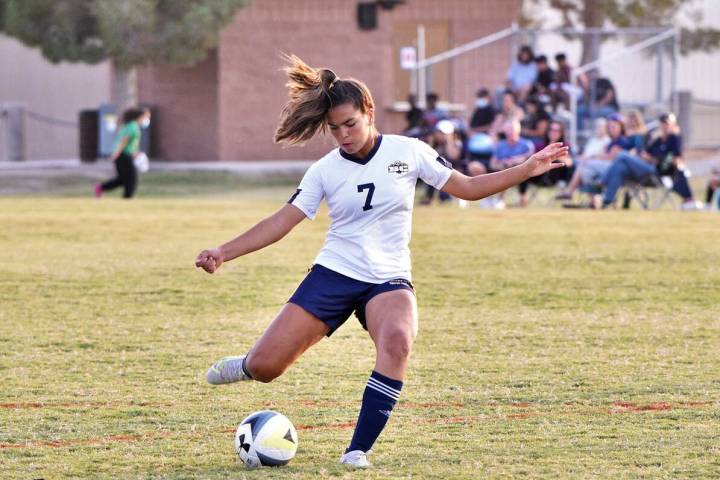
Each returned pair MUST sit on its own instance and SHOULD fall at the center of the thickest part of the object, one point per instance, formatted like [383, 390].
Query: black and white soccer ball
[266, 439]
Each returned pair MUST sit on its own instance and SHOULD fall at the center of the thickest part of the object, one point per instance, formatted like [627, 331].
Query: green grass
[552, 343]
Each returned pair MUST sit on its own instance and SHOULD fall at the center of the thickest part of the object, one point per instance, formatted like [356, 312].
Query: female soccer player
[364, 265]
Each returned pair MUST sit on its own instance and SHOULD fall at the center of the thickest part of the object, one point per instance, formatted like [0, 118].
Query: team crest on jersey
[398, 167]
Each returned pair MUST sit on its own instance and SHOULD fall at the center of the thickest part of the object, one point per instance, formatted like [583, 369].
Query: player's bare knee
[397, 345]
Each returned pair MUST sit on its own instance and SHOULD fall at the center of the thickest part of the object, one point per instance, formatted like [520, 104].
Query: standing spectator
[414, 118]
[662, 157]
[127, 147]
[433, 113]
[535, 123]
[522, 73]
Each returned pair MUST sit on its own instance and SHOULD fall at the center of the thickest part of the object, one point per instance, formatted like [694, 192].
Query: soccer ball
[266, 439]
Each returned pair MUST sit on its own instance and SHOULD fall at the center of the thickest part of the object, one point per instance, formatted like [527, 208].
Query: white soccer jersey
[370, 202]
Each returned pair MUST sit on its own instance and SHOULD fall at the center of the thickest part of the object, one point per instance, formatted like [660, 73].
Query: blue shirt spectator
[506, 150]
[623, 142]
[513, 150]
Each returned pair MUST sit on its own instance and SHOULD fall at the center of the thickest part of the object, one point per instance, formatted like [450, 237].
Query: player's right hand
[209, 260]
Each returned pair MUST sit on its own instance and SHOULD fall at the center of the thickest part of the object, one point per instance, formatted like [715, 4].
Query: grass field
[552, 343]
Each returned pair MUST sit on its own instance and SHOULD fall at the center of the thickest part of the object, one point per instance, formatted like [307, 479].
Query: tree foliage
[129, 32]
[634, 13]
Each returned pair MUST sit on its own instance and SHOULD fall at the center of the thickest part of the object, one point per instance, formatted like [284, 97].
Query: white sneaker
[691, 205]
[227, 370]
[356, 459]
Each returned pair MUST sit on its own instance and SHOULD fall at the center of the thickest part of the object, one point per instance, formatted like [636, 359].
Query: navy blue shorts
[333, 297]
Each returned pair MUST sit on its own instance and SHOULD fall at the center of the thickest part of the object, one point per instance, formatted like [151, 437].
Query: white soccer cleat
[227, 370]
[356, 459]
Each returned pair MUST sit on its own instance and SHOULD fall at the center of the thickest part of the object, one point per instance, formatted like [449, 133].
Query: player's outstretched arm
[264, 233]
[481, 186]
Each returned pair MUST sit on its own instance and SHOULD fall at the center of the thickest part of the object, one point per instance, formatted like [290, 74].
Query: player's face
[350, 127]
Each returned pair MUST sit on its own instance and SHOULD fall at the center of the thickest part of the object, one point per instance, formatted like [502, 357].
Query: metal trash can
[88, 135]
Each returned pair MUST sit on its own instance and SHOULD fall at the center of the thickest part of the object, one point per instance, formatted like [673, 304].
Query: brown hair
[312, 93]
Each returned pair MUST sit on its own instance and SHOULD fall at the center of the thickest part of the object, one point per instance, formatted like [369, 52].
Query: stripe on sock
[384, 384]
[380, 396]
[382, 388]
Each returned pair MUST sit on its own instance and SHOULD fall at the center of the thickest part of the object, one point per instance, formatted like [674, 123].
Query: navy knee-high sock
[381, 394]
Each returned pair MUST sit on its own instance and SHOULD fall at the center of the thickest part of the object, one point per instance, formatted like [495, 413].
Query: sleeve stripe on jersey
[294, 195]
[444, 162]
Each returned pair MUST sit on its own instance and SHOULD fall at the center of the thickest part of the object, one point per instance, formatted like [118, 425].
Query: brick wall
[185, 106]
[250, 85]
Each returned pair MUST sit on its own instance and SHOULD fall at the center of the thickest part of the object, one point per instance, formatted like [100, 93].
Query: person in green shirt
[127, 146]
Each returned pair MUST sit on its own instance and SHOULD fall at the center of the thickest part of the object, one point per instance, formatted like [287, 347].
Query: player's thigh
[292, 332]
[392, 317]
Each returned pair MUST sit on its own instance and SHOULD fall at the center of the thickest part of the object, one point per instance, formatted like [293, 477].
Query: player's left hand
[546, 159]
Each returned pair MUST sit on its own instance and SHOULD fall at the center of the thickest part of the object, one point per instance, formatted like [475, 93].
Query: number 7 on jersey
[370, 187]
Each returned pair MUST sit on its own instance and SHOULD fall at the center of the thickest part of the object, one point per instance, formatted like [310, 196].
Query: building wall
[56, 91]
[184, 103]
[325, 33]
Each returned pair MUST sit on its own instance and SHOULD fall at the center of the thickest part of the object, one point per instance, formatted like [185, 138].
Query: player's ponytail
[312, 93]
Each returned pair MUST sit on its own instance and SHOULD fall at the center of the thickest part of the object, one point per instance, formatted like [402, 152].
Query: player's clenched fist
[209, 260]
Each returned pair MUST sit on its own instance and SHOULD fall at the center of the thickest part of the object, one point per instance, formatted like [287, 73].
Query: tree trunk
[124, 92]
[592, 17]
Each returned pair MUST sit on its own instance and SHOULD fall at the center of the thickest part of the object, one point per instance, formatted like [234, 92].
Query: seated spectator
[433, 113]
[609, 140]
[555, 133]
[712, 189]
[596, 145]
[509, 152]
[414, 118]
[522, 73]
[542, 88]
[484, 114]
[563, 88]
[604, 102]
[535, 123]
[510, 111]
[661, 158]
[636, 130]
[480, 142]
[446, 142]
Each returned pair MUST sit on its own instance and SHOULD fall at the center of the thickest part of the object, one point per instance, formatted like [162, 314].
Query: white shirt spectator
[522, 76]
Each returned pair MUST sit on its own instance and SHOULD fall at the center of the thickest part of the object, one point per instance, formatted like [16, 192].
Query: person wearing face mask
[484, 114]
[127, 147]
[480, 141]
